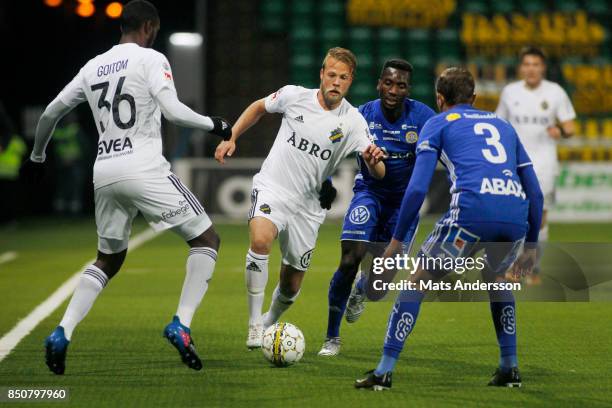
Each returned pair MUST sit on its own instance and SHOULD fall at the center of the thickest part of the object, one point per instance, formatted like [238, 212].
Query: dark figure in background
[12, 150]
[69, 148]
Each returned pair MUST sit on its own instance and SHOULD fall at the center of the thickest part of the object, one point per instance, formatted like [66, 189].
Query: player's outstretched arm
[248, 118]
[33, 169]
[180, 114]
[415, 193]
[44, 130]
[532, 190]
[525, 263]
[372, 156]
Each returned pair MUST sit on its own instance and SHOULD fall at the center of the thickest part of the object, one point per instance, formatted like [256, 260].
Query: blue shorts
[368, 218]
[501, 243]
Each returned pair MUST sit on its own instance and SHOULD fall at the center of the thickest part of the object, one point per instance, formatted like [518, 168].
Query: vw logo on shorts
[359, 215]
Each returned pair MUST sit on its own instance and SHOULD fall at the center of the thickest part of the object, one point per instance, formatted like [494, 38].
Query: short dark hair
[456, 85]
[398, 63]
[136, 13]
[532, 50]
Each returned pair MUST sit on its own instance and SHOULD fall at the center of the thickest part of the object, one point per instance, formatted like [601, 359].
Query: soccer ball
[283, 344]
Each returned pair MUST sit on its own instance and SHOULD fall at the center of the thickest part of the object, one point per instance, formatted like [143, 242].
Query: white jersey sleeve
[565, 110]
[158, 74]
[74, 93]
[279, 100]
[359, 136]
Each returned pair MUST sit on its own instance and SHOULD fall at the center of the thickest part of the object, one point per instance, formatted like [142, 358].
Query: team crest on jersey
[275, 94]
[265, 208]
[544, 105]
[411, 137]
[453, 116]
[336, 135]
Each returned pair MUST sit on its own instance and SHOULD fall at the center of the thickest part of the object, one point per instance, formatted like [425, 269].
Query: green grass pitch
[118, 357]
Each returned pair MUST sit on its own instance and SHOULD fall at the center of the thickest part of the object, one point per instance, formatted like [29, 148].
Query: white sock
[256, 274]
[200, 266]
[92, 281]
[543, 236]
[280, 303]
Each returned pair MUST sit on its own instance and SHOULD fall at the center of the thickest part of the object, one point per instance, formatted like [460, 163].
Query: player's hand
[225, 148]
[33, 172]
[394, 248]
[525, 263]
[373, 154]
[327, 195]
[554, 132]
[221, 127]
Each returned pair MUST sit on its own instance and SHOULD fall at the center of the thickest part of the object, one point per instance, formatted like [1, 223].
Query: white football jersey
[531, 112]
[120, 86]
[310, 143]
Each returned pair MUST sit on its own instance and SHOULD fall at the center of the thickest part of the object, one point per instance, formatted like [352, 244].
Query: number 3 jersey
[120, 87]
[481, 153]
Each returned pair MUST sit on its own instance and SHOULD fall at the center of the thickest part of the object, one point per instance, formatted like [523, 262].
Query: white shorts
[297, 228]
[164, 202]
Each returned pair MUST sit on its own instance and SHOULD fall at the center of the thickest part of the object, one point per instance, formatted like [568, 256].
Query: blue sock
[339, 291]
[503, 312]
[361, 283]
[401, 322]
[386, 364]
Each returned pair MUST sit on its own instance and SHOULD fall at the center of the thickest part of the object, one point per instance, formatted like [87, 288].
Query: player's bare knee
[261, 244]
[208, 239]
[349, 262]
[421, 275]
[110, 263]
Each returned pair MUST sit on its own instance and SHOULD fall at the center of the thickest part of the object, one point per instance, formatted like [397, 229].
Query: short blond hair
[343, 55]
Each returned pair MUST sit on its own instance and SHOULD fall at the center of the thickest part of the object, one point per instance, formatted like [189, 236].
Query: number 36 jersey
[482, 154]
[120, 87]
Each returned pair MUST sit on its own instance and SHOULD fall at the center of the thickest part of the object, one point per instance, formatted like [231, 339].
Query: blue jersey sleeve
[415, 193]
[522, 158]
[431, 137]
[531, 186]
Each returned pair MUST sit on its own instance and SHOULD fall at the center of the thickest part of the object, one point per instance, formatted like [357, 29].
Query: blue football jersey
[481, 153]
[398, 140]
